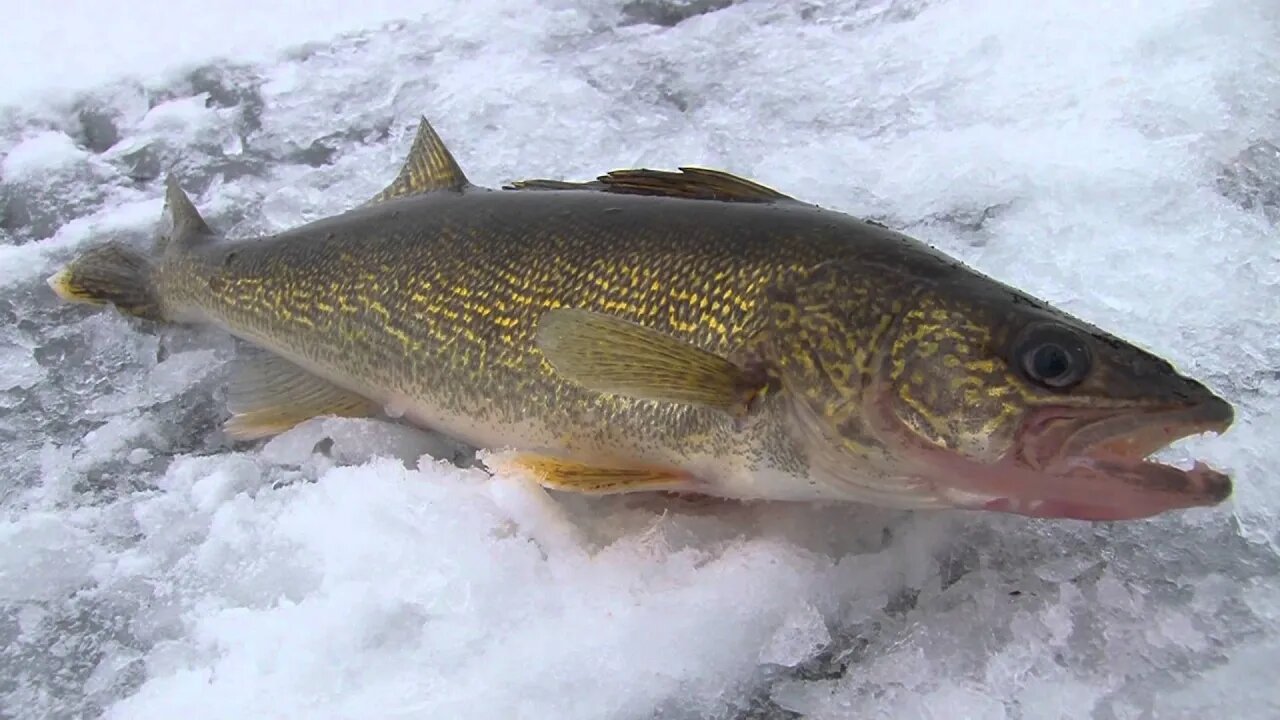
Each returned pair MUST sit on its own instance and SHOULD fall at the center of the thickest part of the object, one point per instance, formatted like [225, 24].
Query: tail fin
[113, 274]
[110, 274]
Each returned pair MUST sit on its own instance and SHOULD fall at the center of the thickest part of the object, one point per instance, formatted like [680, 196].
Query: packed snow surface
[1118, 159]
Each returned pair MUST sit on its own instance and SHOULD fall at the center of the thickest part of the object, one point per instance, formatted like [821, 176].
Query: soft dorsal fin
[430, 166]
[185, 223]
[690, 182]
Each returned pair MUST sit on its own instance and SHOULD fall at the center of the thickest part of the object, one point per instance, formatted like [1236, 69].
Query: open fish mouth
[1094, 464]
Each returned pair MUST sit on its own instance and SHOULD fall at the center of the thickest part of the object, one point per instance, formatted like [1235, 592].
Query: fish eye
[1053, 356]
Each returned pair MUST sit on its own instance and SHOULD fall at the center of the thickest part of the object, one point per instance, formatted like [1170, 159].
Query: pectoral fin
[269, 395]
[557, 474]
[611, 355]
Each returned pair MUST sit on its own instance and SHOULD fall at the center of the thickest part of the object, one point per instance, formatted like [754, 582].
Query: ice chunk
[21, 370]
[356, 440]
[45, 181]
[219, 486]
[43, 152]
[1065, 568]
[291, 206]
[1252, 179]
[114, 438]
[803, 632]
[99, 127]
[180, 371]
[1242, 687]
[180, 117]
[535, 515]
[44, 556]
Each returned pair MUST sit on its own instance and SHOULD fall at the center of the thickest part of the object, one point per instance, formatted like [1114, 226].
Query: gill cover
[826, 338]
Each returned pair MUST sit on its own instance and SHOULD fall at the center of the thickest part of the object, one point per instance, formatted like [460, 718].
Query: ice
[150, 567]
[356, 440]
[803, 632]
[96, 44]
[1252, 179]
[535, 514]
[21, 369]
[43, 152]
[358, 573]
[47, 555]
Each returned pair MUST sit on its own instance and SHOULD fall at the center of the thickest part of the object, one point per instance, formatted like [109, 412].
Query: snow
[357, 568]
[803, 632]
[41, 152]
[85, 43]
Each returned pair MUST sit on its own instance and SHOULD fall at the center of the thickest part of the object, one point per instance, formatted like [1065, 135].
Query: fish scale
[452, 322]
[677, 330]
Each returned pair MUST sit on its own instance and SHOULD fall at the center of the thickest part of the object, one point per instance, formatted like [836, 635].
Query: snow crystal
[151, 567]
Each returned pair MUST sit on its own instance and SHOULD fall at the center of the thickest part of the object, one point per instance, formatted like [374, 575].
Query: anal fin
[557, 474]
[268, 395]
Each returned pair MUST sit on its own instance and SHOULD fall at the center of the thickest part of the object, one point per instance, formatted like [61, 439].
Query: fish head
[955, 390]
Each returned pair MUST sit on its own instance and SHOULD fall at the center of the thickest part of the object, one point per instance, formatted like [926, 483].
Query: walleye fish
[684, 331]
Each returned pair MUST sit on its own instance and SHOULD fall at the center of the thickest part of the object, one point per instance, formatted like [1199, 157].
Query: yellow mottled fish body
[689, 331]
[429, 306]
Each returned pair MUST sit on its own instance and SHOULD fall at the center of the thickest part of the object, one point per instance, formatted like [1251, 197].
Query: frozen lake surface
[1118, 159]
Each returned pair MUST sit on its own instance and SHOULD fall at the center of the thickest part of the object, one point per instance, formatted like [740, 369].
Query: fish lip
[1093, 463]
[1055, 435]
[1086, 463]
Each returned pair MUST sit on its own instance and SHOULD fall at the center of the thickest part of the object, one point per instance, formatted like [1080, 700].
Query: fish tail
[114, 274]
[111, 274]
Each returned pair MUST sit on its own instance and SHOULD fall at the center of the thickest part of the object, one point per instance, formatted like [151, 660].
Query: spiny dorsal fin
[184, 219]
[690, 182]
[430, 166]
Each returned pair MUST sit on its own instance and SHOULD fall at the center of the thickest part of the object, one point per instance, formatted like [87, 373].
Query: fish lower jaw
[1045, 508]
[1029, 507]
[1099, 489]
[1065, 510]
